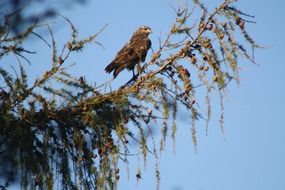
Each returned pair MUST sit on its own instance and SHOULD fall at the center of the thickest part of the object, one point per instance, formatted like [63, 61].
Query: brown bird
[132, 53]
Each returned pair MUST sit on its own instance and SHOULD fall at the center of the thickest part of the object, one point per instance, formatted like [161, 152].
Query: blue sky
[250, 155]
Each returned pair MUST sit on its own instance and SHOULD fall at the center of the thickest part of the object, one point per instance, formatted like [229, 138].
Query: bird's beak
[150, 31]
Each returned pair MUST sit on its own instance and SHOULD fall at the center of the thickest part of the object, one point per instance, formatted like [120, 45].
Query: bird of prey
[132, 53]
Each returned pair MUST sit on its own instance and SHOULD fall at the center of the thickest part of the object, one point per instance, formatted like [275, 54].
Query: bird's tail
[113, 67]
[110, 67]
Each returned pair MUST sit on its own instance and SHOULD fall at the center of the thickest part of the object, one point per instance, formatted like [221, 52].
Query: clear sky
[250, 155]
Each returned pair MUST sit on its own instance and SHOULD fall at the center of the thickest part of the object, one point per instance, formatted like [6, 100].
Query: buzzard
[132, 53]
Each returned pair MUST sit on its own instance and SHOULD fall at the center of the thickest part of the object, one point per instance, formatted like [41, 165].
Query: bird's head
[144, 30]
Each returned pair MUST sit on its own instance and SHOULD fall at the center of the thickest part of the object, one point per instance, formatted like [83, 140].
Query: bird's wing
[141, 47]
[125, 58]
[126, 55]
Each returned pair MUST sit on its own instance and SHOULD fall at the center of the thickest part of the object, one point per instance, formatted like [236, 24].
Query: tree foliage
[59, 131]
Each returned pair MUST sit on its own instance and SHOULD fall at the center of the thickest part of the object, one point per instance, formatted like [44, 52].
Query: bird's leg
[131, 81]
[135, 76]
[139, 69]
[133, 70]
